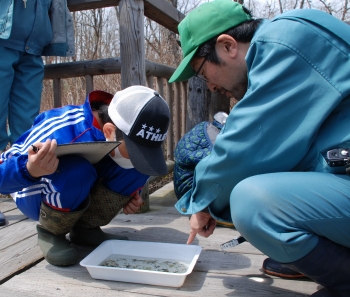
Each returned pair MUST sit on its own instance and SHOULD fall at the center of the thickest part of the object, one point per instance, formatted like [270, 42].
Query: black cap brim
[147, 160]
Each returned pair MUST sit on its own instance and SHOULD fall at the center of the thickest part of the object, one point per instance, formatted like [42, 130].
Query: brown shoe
[272, 267]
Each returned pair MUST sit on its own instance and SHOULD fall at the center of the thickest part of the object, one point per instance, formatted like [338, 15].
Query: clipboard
[92, 151]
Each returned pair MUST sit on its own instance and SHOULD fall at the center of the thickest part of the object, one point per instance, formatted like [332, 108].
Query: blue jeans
[21, 77]
[283, 214]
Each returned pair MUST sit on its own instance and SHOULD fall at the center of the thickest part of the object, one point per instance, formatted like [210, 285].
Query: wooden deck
[24, 272]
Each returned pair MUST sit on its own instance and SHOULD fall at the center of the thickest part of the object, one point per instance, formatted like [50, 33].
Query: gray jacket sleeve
[62, 43]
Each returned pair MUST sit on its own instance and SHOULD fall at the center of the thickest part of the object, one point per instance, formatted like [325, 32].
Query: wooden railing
[175, 94]
[153, 75]
[159, 11]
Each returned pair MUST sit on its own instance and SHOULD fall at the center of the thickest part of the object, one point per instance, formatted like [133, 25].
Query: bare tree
[97, 37]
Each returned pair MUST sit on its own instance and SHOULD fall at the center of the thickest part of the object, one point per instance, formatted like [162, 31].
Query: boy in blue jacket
[69, 194]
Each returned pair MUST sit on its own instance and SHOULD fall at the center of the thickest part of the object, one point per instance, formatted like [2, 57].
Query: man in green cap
[278, 167]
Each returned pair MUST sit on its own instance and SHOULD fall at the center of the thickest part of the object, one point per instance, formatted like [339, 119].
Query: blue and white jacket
[68, 124]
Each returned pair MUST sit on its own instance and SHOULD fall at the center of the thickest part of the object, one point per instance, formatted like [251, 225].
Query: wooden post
[160, 86]
[57, 94]
[183, 107]
[132, 53]
[149, 80]
[132, 49]
[177, 112]
[218, 102]
[170, 137]
[145, 197]
[197, 103]
[89, 84]
[160, 89]
[202, 104]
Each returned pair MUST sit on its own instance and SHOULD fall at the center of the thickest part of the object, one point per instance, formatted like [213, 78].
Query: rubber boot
[91, 236]
[328, 264]
[56, 248]
[2, 219]
[104, 206]
[54, 225]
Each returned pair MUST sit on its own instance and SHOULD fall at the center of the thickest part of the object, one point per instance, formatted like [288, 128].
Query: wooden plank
[159, 70]
[16, 233]
[101, 67]
[6, 292]
[19, 256]
[83, 68]
[233, 273]
[77, 5]
[7, 205]
[164, 13]
[160, 11]
[163, 217]
[12, 217]
[169, 227]
[76, 281]
[18, 243]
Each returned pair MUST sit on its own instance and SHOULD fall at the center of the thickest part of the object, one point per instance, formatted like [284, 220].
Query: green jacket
[297, 107]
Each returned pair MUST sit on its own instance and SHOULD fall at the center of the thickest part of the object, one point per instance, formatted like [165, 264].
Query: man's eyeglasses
[201, 76]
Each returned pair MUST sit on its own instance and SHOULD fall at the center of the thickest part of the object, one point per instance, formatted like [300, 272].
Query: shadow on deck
[24, 272]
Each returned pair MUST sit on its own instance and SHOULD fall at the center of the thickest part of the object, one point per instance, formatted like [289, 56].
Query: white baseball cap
[143, 116]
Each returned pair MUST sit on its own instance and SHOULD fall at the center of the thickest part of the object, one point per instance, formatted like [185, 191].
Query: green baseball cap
[202, 24]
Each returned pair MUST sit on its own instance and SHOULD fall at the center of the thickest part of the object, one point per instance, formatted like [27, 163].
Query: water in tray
[143, 263]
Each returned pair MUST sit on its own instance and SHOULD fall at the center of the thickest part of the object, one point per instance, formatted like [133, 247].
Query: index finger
[191, 237]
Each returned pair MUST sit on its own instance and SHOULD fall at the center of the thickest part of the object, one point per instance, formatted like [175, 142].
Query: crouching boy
[69, 194]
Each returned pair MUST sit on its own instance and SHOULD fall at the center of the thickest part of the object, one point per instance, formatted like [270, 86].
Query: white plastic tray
[183, 253]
